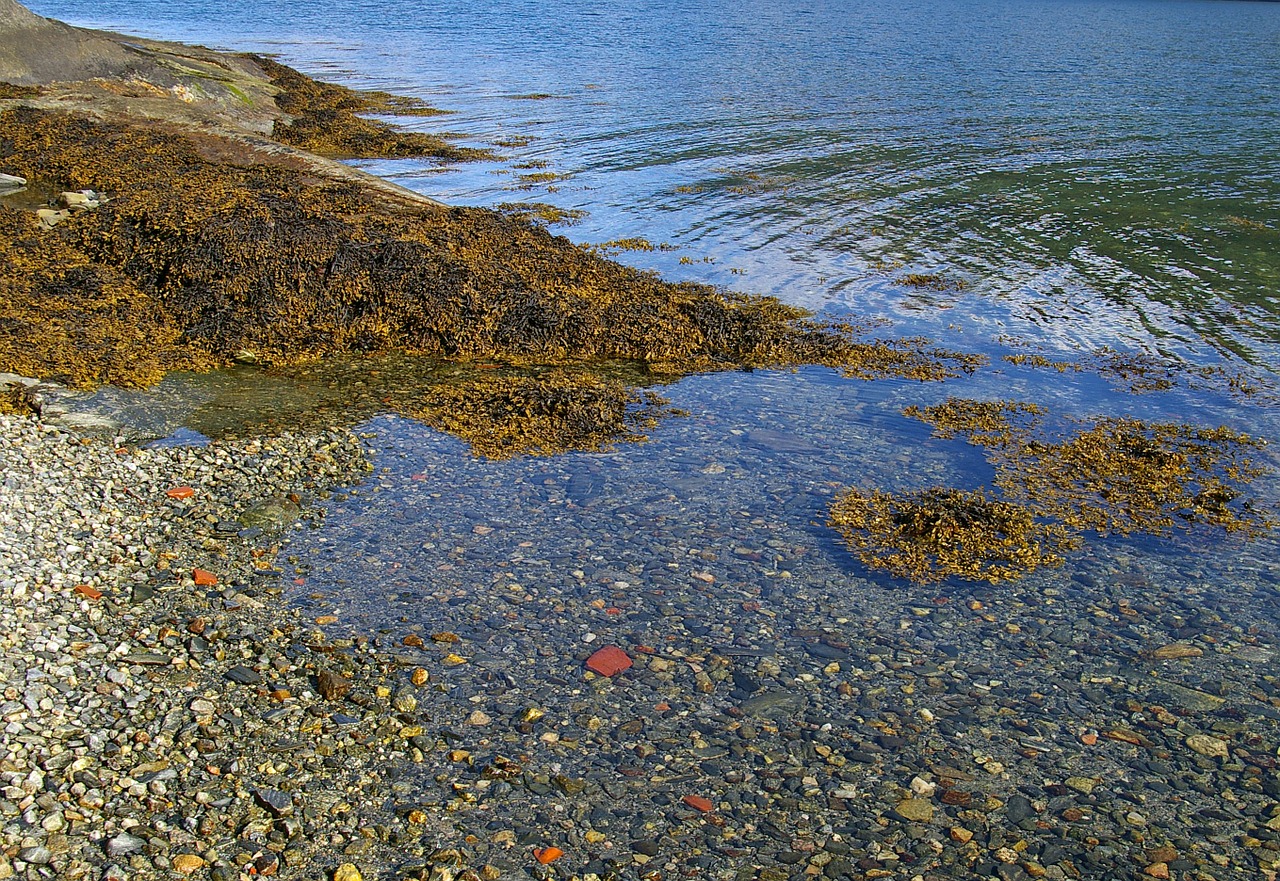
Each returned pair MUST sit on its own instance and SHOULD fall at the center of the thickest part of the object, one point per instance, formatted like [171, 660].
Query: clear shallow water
[1091, 173]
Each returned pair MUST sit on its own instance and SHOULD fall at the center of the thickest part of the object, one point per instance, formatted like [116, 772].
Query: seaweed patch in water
[930, 535]
[541, 211]
[513, 141]
[633, 243]
[1110, 476]
[931, 281]
[1143, 372]
[505, 416]
[326, 121]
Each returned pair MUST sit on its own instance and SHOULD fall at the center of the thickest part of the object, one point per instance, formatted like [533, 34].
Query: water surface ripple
[1113, 167]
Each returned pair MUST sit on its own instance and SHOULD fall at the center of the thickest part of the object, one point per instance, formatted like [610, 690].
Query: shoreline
[165, 712]
[168, 716]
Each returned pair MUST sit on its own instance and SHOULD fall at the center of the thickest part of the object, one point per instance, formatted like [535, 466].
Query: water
[1096, 172]
[1079, 175]
[1082, 174]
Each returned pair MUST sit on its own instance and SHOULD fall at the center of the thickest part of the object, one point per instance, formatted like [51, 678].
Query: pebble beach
[168, 714]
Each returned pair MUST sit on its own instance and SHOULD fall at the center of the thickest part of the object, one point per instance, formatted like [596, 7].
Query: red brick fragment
[204, 577]
[609, 661]
[180, 492]
[88, 591]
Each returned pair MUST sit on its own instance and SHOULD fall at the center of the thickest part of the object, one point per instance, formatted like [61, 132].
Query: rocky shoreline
[162, 708]
[168, 715]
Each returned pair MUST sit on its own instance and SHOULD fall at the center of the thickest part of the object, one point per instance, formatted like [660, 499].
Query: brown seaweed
[561, 410]
[934, 534]
[271, 262]
[326, 119]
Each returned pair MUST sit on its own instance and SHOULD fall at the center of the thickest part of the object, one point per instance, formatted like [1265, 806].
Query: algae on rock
[269, 260]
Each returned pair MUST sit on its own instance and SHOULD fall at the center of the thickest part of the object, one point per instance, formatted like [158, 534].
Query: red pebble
[698, 803]
[609, 661]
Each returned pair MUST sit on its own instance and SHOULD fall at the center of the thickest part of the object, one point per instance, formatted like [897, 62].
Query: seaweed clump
[326, 120]
[930, 535]
[60, 313]
[1115, 475]
[1111, 476]
[931, 281]
[505, 416]
[10, 91]
[543, 212]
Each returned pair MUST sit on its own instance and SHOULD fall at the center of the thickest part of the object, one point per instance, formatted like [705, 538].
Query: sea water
[1076, 177]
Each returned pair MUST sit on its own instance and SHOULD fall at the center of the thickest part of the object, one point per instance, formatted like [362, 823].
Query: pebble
[812, 711]
[1209, 746]
[347, 872]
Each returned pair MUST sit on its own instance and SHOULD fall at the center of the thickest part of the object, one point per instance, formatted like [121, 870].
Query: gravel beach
[168, 715]
[162, 712]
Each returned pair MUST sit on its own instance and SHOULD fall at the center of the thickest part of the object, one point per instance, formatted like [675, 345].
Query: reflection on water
[1099, 172]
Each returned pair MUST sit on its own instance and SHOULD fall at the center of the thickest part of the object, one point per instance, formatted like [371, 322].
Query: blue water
[1094, 172]
[1083, 173]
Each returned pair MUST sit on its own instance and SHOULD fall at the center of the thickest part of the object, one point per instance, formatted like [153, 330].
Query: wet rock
[917, 810]
[279, 804]
[124, 844]
[271, 515]
[609, 661]
[1019, 808]
[244, 675]
[332, 686]
[773, 704]
[1209, 746]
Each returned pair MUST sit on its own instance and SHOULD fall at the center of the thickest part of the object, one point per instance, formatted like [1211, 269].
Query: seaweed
[1107, 476]
[60, 313]
[541, 211]
[326, 120]
[268, 261]
[10, 90]
[931, 281]
[937, 533]
[505, 416]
